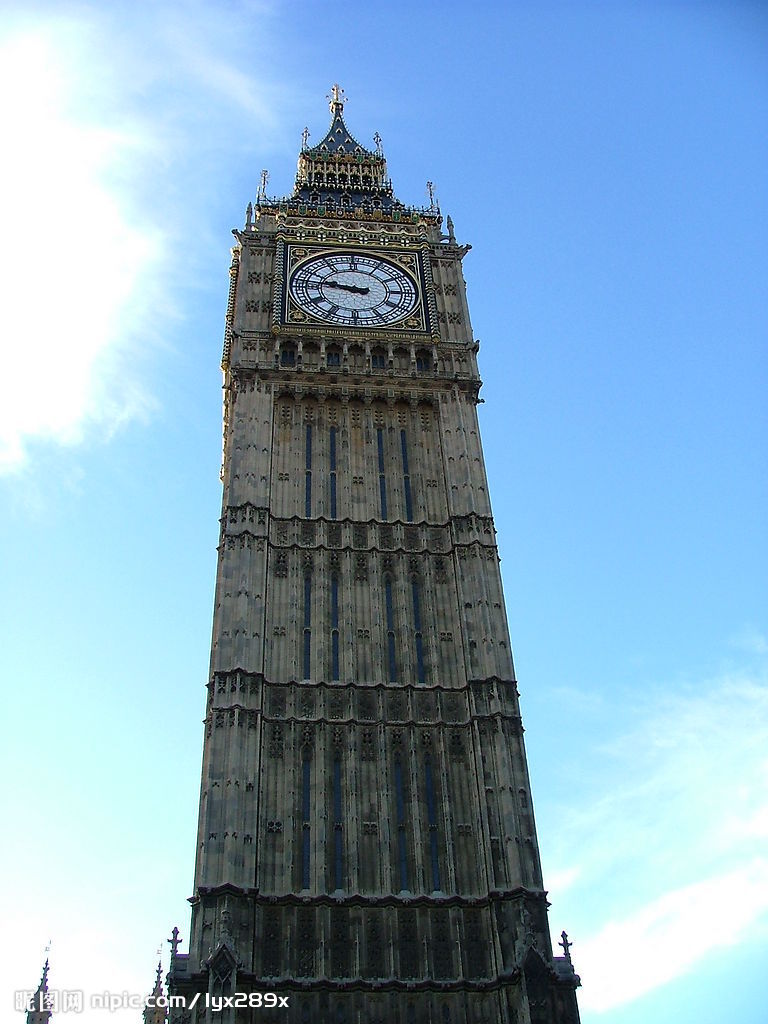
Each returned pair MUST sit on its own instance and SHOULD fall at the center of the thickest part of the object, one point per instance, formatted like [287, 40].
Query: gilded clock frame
[289, 318]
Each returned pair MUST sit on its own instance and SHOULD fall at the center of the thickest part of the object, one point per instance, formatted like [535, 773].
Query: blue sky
[608, 162]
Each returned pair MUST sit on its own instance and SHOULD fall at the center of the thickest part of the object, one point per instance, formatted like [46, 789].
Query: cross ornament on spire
[337, 97]
[304, 137]
[431, 194]
[174, 941]
[262, 193]
[377, 140]
[566, 945]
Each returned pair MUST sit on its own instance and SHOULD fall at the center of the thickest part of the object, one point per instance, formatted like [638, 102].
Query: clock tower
[366, 847]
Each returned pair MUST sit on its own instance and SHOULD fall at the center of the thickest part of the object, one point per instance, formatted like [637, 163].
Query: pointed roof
[339, 177]
[338, 138]
[339, 169]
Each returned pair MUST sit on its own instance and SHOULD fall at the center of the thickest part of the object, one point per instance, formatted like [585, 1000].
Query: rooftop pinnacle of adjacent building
[40, 1004]
[154, 1011]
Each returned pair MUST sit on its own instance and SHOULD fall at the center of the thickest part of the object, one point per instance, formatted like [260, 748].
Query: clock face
[353, 289]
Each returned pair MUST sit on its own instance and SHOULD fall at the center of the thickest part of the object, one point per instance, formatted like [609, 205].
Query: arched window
[402, 849]
[307, 635]
[335, 628]
[338, 859]
[332, 456]
[424, 361]
[308, 471]
[382, 477]
[432, 820]
[406, 477]
[418, 636]
[306, 795]
[390, 619]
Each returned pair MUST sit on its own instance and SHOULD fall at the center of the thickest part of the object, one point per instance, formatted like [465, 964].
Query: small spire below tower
[154, 1013]
[40, 1012]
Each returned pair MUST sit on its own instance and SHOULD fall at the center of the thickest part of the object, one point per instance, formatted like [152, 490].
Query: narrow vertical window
[390, 630]
[382, 477]
[333, 471]
[432, 820]
[334, 628]
[337, 825]
[417, 634]
[305, 812]
[307, 626]
[406, 478]
[308, 473]
[400, 807]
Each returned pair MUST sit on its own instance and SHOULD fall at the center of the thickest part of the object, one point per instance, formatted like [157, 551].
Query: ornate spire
[339, 177]
[40, 1012]
[339, 170]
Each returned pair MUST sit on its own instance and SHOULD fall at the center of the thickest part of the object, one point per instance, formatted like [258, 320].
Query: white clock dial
[353, 289]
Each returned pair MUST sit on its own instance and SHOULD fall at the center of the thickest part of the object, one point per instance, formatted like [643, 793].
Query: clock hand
[346, 287]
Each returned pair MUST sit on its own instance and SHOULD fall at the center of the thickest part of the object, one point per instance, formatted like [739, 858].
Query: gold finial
[304, 138]
[337, 97]
[262, 193]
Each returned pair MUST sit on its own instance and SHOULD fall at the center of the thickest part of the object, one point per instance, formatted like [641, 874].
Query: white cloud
[672, 816]
[73, 258]
[666, 938]
[113, 133]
